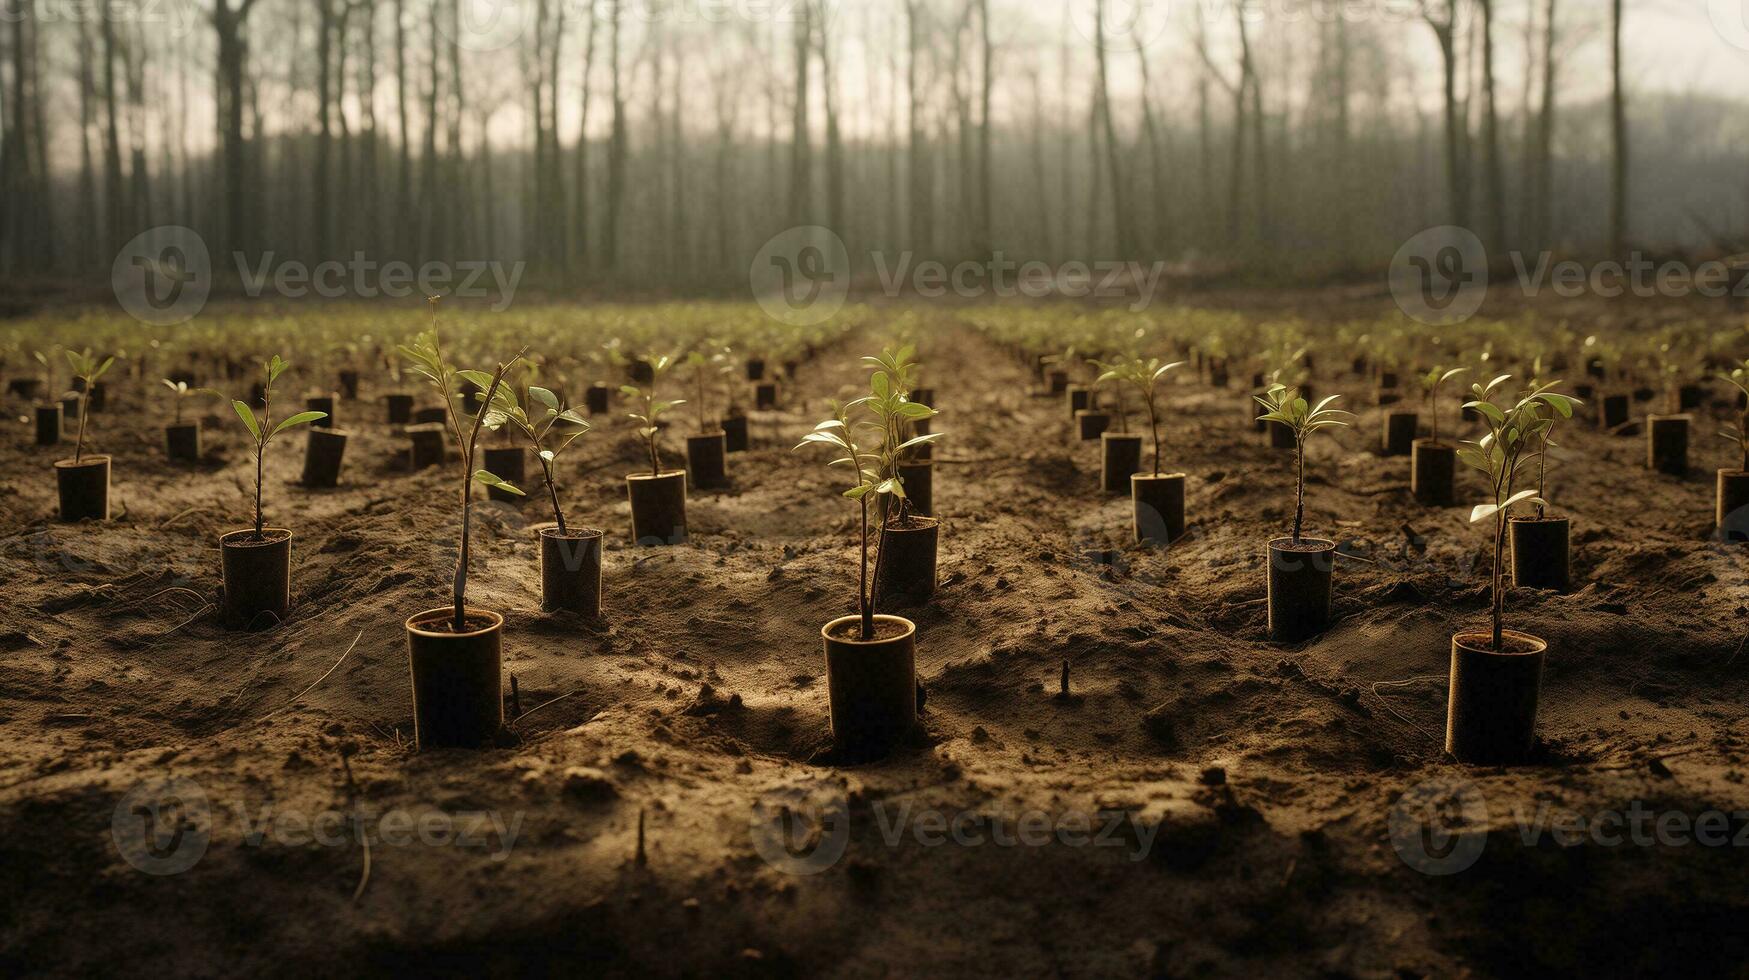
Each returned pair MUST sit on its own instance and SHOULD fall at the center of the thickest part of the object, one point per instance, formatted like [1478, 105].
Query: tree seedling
[180, 392]
[653, 409]
[87, 369]
[1738, 378]
[1284, 405]
[541, 437]
[889, 401]
[1145, 377]
[709, 360]
[262, 428]
[1430, 384]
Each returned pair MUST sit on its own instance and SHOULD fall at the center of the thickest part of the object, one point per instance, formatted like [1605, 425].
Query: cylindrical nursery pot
[1280, 436]
[871, 684]
[1399, 434]
[1077, 399]
[182, 442]
[323, 454]
[1667, 444]
[257, 576]
[1615, 412]
[734, 433]
[436, 415]
[25, 388]
[1539, 553]
[658, 507]
[919, 479]
[48, 425]
[595, 399]
[755, 369]
[426, 446]
[570, 571]
[1059, 380]
[1732, 505]
[507, 463]
[1689, 397]
[349, 385]
[907, 563]
[1092, 424]
[400, 409]
[99, 397]
[70, 411]
[1120, 456]
[1490, 715]
[1433, 467]
[640, 372]
[706, 460]
[325, 405]
[1299, 587]
[458, 678]
[924, 396]
[84, 488]
[1159, 506]
[765, 396]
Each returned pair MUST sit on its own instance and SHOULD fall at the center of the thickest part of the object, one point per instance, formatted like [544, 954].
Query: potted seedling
[1667, 435]
[1120, 452]
[1539, 540]
[1299, 567]
[1496, 675]
[83, 481]
[1731, 508]
[905, 569]
[181, 438]
[1397, 435]
[455, 651]
[658, 498]
[399, 403]
[1433, 463]
[707, 451]
[257, 560]
[570, 556]
[48, 411]
[507, 461]
[1158, 499]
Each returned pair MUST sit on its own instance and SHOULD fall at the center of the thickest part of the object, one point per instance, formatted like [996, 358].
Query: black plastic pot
[323, 454]
[1433, 467]
[1731, 505]
[1539, 553]
[1059, 381]
[99, 397]
[1299, 588]
[735, 433]
[507, 463]
[1159, 506]
[182, 442]
[640, 372]
[349, 385]
[923, 396]
[25, 388]
[707, 460]
[257, 574]
[871, 684]
[1091, 424]
[83, 488]
[595, 399]
[1280, 436]
[1615, 413]
[1690, 397]
[755, 369]
[570, 571]
[458, 678]
[1218, 376]
[765, 396]
[1387, 379]
[907, 564]
[1667, 444]
[400, 408]
[658, 507]
[1490, 716]
[425, 445]
[920, 427]
[325, 405]
[1398, 437]
[1077, 398]
[1120, 456]
[918, 477]
[436, 415]
[48, 425]
[70, 411]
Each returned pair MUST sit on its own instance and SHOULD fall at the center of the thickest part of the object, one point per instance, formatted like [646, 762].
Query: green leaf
[490, 480]
[247, 414]
[275, 367]
[545, 397]
[299, 419]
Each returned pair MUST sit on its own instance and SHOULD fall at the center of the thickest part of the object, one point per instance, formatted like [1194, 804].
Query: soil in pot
[83, 488]
[1091, 424]
[507, 463]
[257, 575]
[425, 445]
[48, 425]
[1398, 437]
[706, 460]
[323, 453]
[1120, 457]
[1299, 588]
[1731, 505]
[735, 433]
[570, 571]
[871, 684]
[918, 476]
[1667, 444]
[658, 507]
[1432, 472]
[182, 442]
[400, 408]
[1539, 553]
[458, 678]
[907, 563]
[1159, 507]
[1490, 716]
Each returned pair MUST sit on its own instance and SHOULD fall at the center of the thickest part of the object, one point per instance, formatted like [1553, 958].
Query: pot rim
[1531, 519]
[90, 459]
[826, 630]
[933, 522]
[249, 530]
[1121, 435]
[571, 534]
[1724, 471]
[664, 475]
[329, 431]
[1305, 540]
[715, 434]
[1458, 643]
[1157, 476]
[497, 622]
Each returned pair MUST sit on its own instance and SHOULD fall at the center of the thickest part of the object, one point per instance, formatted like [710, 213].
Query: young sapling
[1738, 378]
[262, 428]
[1284, 405]
[1145, 377]
[542, 437]
[653, 409]
[1430, 384]
[87, 369]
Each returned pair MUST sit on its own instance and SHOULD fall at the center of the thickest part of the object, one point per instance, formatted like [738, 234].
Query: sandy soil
[1200, 803]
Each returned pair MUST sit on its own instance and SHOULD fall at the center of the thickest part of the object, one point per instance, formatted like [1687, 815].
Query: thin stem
[553, 492]
[865, 598]
[1299, 484]
[1154, 427]
[79, 444]
[461, 565]
[260, 451]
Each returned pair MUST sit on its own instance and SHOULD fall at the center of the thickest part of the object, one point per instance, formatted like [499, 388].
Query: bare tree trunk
[800, 168]
[405, 243]
[580, 192]
[1618, 133]
[616, 150]
[921, 231]
[321, 204]
[1491, 134]
[114, 194]
[1545, 136]
[986, 179]
[836, 215]
[1120, 214]
[85, 241]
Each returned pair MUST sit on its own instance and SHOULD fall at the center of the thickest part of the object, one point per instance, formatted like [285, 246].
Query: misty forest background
[613, 141]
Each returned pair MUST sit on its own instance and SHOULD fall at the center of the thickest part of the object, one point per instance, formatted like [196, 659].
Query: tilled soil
[1199, 802]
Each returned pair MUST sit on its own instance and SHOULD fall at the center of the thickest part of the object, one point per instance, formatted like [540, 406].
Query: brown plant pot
[83, 488]
[765, 396]
[1159, 507]
[1667, 444]
[1398, 437]
[257, 574]
[1076, 398]
[1091, 424]
[325, 405]
[1433, 467]
[400, 408]
[1120, 457]
[595, 399]
[1059, 381]
[871, 685]
[1280, 436]
[182, 442]
[507, 463]
[734, 433]
[425, 445]
[907, 564]
[48, 425]
[658, 507]
[1490, 715]
[1539, 553]
[349, 385]
[918, 477]
[458, 678]
[1731, 505]
[707, 460]
[570, 571]
[1299, 588]
[323, 453]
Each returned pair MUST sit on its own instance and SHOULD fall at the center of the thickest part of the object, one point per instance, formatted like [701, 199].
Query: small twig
[318, 680]
[537, 707]
[1394, 712]
[515, 698]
